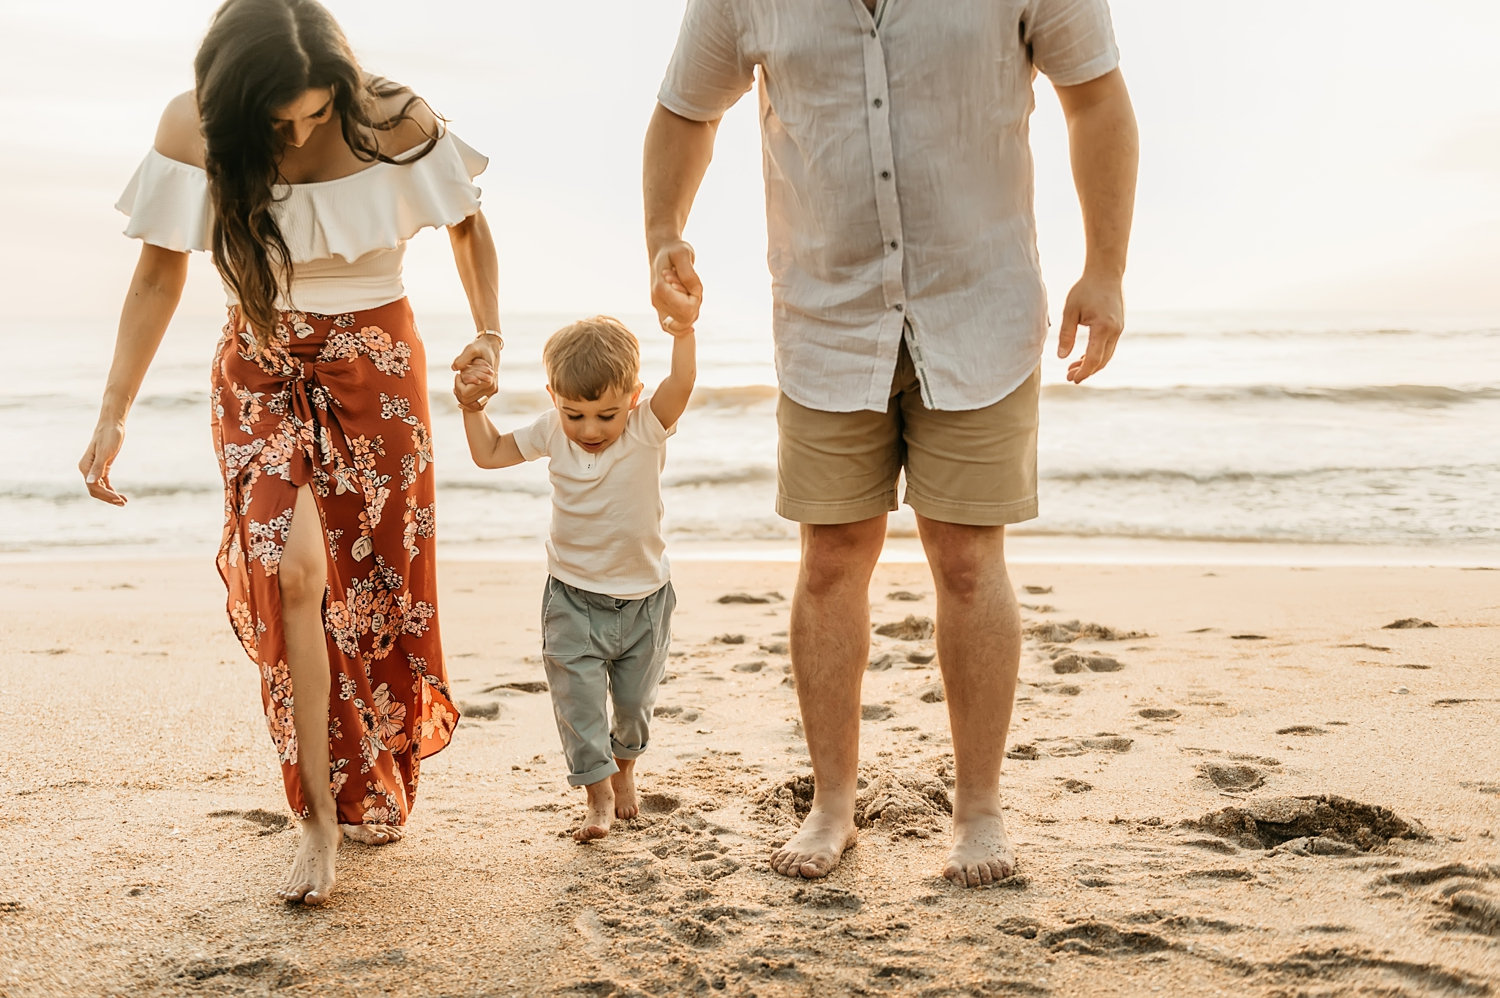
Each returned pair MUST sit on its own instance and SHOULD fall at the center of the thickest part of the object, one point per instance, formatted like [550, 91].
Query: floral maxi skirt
[339, 403]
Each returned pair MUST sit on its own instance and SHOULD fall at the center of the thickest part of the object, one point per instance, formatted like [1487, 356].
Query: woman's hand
[478, 369]
[109, 435]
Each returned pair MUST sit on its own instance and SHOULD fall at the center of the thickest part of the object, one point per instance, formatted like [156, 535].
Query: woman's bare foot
[817, 847]
[627, 801]
[311, 878]
[981, 854]
[373, 835]
[601, 812]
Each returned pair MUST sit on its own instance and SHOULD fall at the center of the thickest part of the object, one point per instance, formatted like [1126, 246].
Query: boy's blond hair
[590, 357]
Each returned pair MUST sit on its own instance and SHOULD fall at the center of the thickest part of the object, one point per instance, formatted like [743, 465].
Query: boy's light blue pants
[599, 652]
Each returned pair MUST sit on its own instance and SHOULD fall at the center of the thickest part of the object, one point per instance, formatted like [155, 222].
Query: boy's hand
[676, 291]
[475, 384]
[477, 365]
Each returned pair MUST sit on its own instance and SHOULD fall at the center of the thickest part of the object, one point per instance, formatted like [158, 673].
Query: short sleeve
[168, 204]
[1072, 41]
[646, 427]
[708, 71]
[535, 440]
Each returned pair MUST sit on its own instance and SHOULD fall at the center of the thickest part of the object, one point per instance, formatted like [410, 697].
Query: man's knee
[840, 554]
[964, 559]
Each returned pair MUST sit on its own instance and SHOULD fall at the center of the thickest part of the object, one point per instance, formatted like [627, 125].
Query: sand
[1230, 780]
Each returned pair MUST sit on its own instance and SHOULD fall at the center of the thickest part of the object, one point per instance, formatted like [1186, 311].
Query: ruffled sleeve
[381, 206]
[168, 204]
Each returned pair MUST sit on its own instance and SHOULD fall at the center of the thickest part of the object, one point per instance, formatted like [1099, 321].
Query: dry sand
[1153, 783]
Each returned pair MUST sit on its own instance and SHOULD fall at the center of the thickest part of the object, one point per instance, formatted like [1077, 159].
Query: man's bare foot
[311, 878]
[601, 812]
[816, 848]
[373, 835]
[627, 801]
[982, 853]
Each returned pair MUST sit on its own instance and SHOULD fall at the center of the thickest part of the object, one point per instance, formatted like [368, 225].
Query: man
[909, 321]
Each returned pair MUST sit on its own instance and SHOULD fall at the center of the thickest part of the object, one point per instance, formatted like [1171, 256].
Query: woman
[304, 177]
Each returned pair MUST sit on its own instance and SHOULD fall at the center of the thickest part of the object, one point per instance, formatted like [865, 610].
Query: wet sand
[1232, 780]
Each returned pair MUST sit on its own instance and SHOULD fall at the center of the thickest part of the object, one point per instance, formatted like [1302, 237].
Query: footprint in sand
[1037, 590]
[903, 596]
[922, 656]
[931, 693]
[530, 686]
[1159, 713]
[883, 662]
[270, 821]
[1235, 778]
[676, 713]
[1066, 632]
[752, 598]
[1407, 623]
[1070, 662]
[1267, 823]
[729, 639]
[750, 666]
[1301, 729]
[912, 628]
[875, 712]
[775, 648]
[479, 711]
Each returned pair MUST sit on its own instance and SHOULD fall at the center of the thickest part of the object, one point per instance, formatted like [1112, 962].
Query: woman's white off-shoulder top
[347, 236]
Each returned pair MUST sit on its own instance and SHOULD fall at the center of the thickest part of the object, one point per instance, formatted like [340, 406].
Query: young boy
[607, 608]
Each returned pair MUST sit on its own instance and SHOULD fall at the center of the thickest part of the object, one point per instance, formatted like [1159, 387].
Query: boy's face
[597, 424]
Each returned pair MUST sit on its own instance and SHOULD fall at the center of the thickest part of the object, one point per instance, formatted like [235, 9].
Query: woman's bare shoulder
[420, 123]
[179, 136]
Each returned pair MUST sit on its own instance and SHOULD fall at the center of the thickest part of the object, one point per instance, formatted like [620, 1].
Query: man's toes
[986, 874]
[315, 899]
[1000, 871]
[296, 893]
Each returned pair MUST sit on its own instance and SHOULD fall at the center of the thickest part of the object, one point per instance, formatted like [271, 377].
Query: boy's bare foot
[817, 847]
[311, 878]
[627, 801]
[981, 853]
[373, 835]
[601, 812]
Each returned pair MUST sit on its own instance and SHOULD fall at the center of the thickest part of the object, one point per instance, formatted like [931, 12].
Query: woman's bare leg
[303, 577]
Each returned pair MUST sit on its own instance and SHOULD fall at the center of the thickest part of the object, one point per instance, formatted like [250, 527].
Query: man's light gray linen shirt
[898, 179]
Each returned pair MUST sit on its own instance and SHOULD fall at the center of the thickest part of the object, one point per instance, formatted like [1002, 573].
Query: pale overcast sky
[1339, 154]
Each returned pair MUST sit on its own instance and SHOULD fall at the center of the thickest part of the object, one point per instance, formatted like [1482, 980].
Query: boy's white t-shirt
[606, 507]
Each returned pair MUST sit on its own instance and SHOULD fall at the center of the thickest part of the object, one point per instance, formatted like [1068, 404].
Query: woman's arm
[479, 269]
[155, 290]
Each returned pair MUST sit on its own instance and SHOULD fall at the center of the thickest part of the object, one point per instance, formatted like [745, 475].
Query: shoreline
[1021, 549]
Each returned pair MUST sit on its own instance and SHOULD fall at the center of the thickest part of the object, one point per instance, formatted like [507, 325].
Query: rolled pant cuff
[625, 751]
[594, 775]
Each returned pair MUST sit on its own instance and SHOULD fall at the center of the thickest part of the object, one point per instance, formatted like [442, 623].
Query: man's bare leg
[303, 576]
[830, 646]
[979, 649]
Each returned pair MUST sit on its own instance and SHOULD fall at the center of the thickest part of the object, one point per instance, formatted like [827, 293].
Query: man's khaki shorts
[976, 466]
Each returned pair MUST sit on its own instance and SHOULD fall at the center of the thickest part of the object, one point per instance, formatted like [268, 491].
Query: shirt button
[885, 174]
[872, 33]
[899, 307]
[878, 102]
[893, 244]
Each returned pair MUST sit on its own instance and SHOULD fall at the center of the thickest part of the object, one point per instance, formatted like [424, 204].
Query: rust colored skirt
[339, 402]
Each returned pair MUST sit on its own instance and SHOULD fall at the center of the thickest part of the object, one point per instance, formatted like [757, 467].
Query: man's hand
[676, 292]
[1099, 304]
[478, 366]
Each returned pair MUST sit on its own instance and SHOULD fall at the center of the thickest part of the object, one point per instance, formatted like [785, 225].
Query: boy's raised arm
[671, 396]
[487, 446]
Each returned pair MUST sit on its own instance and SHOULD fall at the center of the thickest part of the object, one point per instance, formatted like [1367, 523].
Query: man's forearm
[1104, 148]
[677, 154]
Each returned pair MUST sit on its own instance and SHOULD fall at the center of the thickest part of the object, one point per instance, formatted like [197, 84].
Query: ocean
[1235, 434]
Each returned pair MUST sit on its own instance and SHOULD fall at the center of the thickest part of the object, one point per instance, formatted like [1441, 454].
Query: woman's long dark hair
[258, 56]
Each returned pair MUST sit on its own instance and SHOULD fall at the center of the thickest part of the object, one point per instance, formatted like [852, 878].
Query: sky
[1339, 155]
